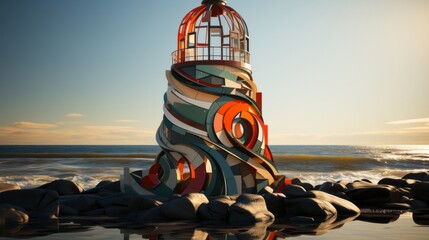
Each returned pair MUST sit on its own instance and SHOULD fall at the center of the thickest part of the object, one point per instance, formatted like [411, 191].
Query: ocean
[32, 166]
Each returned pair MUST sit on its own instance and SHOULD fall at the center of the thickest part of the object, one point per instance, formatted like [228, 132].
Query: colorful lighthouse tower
[213, 136]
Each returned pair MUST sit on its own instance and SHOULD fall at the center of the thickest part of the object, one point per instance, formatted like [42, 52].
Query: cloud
[69, 123]
[126, 121]
[410, 121]
[74, 115]
[32, 125]
[37, 133]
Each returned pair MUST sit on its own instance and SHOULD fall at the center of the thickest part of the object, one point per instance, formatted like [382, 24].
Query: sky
[331, 71]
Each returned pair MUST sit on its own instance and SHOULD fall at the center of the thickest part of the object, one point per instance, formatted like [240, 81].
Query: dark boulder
[359, 184]
[141, 203]
[275, 203]
[341, 205]
[216, 209]
[421, 176]
[292, 189]
[306, 186]
[309, 207]
[93, 213]
[151, 215]
[418, 205]
[105, 186]
[117, 199]
[420, 191]
[374, 195]
[81, 203]
[38, 203]
[8, 186]
[117, 211]
[67, 211]
[330, 187]
[401, 183]
[295, 181]
[63, 187]
[249, 209]
[11, 215]
[183, 208]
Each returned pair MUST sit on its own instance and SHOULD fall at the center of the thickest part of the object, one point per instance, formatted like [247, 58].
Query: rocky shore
[299, 203]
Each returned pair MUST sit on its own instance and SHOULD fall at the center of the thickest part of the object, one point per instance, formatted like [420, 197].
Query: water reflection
[382, 216]
[178, 230]
[421, 217]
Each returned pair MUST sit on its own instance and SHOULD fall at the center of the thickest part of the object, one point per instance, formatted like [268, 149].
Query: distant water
[31, 166]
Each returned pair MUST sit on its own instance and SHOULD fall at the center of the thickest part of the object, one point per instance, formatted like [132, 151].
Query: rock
[275, 203]
[138, 203]
[366, 180]
[118, 199]
[306, 186]
[216, 209]
[68, 211]
[359, 184]
[342, 195]
[405, 199]
[343, 182]
[63, 187]
[295, 181]
[94, 213]
[309, 207]
[405, 191]
[11, 215]
[249, 209]
[421, 176]
[105, 186]
[293, 189]
[38, 203]
[103, 183]
[330, 187]
[418, 204]
[374, 195]
[151, 215]
[117, 211]
[342, 206]
[141, 203]
[183, 208]
[8, 186]
[420, 191]
[81, 203]
[401, 183]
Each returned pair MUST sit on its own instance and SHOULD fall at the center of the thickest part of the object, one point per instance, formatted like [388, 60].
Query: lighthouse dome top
[213, 31]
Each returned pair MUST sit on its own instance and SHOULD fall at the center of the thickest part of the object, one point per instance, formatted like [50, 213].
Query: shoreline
[62, 207]
[109, 228]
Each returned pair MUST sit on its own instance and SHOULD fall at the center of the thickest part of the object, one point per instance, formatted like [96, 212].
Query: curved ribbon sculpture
[213, 136]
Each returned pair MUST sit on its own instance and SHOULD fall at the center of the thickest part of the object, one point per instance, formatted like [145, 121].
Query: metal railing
[210, 53]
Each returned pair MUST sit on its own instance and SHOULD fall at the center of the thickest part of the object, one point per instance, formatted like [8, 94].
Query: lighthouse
[213, 136]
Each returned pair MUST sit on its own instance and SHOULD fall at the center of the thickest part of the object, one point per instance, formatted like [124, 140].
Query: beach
[32, 166]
